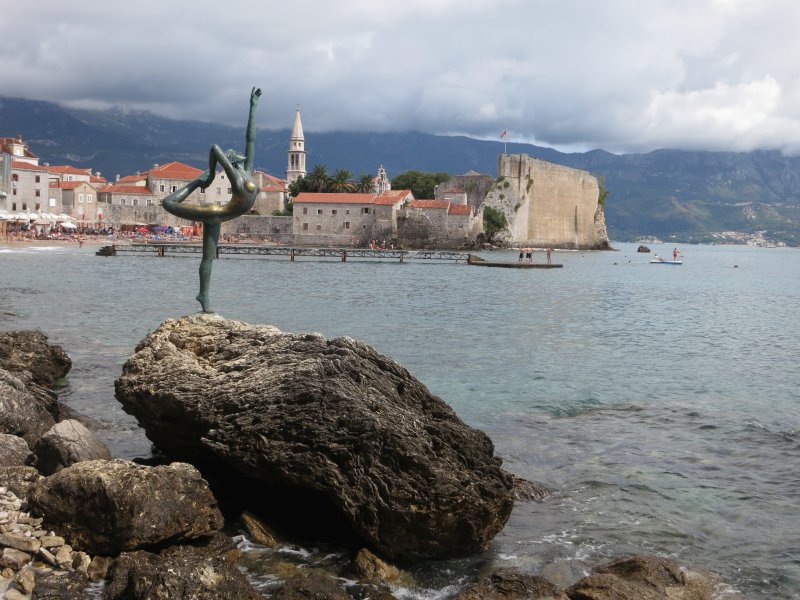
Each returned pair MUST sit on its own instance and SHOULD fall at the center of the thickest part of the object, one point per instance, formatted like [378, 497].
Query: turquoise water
[660, 403]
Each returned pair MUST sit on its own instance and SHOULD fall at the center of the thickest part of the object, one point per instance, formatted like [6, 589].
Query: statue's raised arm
[250, 136]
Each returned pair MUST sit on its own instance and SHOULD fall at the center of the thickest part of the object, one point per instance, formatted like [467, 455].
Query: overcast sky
[622, 75]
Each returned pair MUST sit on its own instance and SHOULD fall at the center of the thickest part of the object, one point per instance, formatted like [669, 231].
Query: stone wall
[475, 185]
[548, 204]
[261, 228]
[434, 228]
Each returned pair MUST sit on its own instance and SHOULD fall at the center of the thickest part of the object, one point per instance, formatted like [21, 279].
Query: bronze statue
[244, 191]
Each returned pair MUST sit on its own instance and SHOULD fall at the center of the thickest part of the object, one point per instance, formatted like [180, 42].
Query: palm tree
[341, 182]
[318, 180]
[365, 185]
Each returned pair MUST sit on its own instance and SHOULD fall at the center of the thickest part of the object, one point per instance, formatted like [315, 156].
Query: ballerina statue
[244, 192]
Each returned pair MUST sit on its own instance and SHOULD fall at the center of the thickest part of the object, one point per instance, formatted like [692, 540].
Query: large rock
[14, 451]
[643, 578]
[333, 417]
[106, 507]
[29, 351]
[66, 443]
[511, 584]
[26, 408]
[19, 479]
[180, 573]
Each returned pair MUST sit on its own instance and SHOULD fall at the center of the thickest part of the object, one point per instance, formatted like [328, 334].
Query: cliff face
[548, 204]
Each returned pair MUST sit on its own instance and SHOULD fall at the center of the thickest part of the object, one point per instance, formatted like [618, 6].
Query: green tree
[364, 185]
[601, 181]
[494, 221]
[318, 179]
[421, 184]
[298, 186]
[284, 213]
[341, 182]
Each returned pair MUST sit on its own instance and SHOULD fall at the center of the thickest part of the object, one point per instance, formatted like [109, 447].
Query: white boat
[657, 260]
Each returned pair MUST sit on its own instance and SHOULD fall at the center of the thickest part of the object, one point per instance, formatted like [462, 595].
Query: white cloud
[621, 75]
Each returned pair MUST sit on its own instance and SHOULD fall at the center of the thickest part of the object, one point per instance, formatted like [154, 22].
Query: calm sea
[660, 403]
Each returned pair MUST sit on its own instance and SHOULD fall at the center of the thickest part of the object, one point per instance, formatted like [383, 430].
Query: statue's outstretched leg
[210, 240]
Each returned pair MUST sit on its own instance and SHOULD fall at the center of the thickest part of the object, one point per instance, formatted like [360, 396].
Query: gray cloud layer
[624, 75]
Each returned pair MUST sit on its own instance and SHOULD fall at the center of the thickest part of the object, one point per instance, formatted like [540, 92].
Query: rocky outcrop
[332, 418]
[107, 507]
[19, 480]
[205, 571]
[26, 409]
[29, 351]
[511, 584]
[14, 451]
[66, 443]
[643, 248]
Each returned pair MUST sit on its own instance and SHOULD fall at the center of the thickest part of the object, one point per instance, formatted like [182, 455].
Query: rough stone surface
[313, 586]
[369, 568]
[332, 417]
[66, 443]
[19, 479]
[26, 409]
[529, 491]
[14, 451]
[642, 578]
[106, 507]
[181, 572]
[510, 584]
[258, 531]
[29, 351]
[14, 559]
[60, 585]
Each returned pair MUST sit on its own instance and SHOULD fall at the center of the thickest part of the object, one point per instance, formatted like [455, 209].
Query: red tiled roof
[67, 185]
[5, 142]
[392, 197]
[443, 204]
[314, 198]
[26, 166]
[96, 179]
[68, 169]
[132, 178]
[116, 188]
[459, 209]
[175, 170]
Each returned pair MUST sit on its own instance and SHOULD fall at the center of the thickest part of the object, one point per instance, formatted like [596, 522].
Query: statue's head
[234, 157]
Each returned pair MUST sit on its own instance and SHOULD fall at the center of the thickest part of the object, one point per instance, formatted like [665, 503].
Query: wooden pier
[292, 252]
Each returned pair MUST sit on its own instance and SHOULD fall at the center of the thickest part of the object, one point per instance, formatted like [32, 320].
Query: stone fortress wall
[548, 204]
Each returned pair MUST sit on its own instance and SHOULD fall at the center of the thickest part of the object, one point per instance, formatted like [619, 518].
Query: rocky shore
[280, 434]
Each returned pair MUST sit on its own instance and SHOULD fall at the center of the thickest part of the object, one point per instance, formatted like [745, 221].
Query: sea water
[660, 403]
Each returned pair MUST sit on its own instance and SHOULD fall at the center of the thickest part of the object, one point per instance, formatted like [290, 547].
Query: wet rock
[14, 451]
[369, 568]
[529, 491]
[60, 585]
[26, 409]
[185, 572]
[66, 443]
[314, 586]
[643, 578]
[19, 479]
[328, 417]
[643, 248]
[106, 507]
[258, 531]
[98, 567]
[511, 584]
[29, 351]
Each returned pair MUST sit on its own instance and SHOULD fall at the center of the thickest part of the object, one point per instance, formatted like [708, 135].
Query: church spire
[297, 152]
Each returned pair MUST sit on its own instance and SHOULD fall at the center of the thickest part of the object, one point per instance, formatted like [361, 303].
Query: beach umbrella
[69, 225]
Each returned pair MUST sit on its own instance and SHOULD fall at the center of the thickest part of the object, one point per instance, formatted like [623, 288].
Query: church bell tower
[297, 151]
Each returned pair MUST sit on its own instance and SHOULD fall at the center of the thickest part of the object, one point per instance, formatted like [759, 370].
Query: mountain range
[687, 196]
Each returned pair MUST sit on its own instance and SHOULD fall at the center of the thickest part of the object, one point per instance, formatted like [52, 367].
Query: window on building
[37, 206]
[134, 202]
[14, 192]
[333, 211]
[305, 226]
[229, 190]
[202, 191]
[88, 197]
[13, 206]
[363, 227]
[37, 193]
[219, 190]
[319, 211]
[319, 227]
[52, 202]
[24, 206]
[149, 202]
[174, 188]
[69, 177]
[38, 179]
[161, 188]
[305, 210]
[347, 224]
[123, 201]
[80, 198]
[366, 210]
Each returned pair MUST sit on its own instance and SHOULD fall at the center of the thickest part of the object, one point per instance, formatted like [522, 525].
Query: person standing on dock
[521, 253]
[244, 192]
[529, 254]
[549, 255]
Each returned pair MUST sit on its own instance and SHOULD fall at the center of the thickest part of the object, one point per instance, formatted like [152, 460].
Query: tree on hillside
[421, 184]
[494, 221]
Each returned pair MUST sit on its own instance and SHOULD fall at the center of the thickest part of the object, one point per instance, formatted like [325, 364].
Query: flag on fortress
[503, 134]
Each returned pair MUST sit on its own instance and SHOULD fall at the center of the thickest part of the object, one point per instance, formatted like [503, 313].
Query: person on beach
[244, 192]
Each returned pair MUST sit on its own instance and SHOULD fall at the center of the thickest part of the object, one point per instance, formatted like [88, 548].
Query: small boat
[661, 261]
[482, 262]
